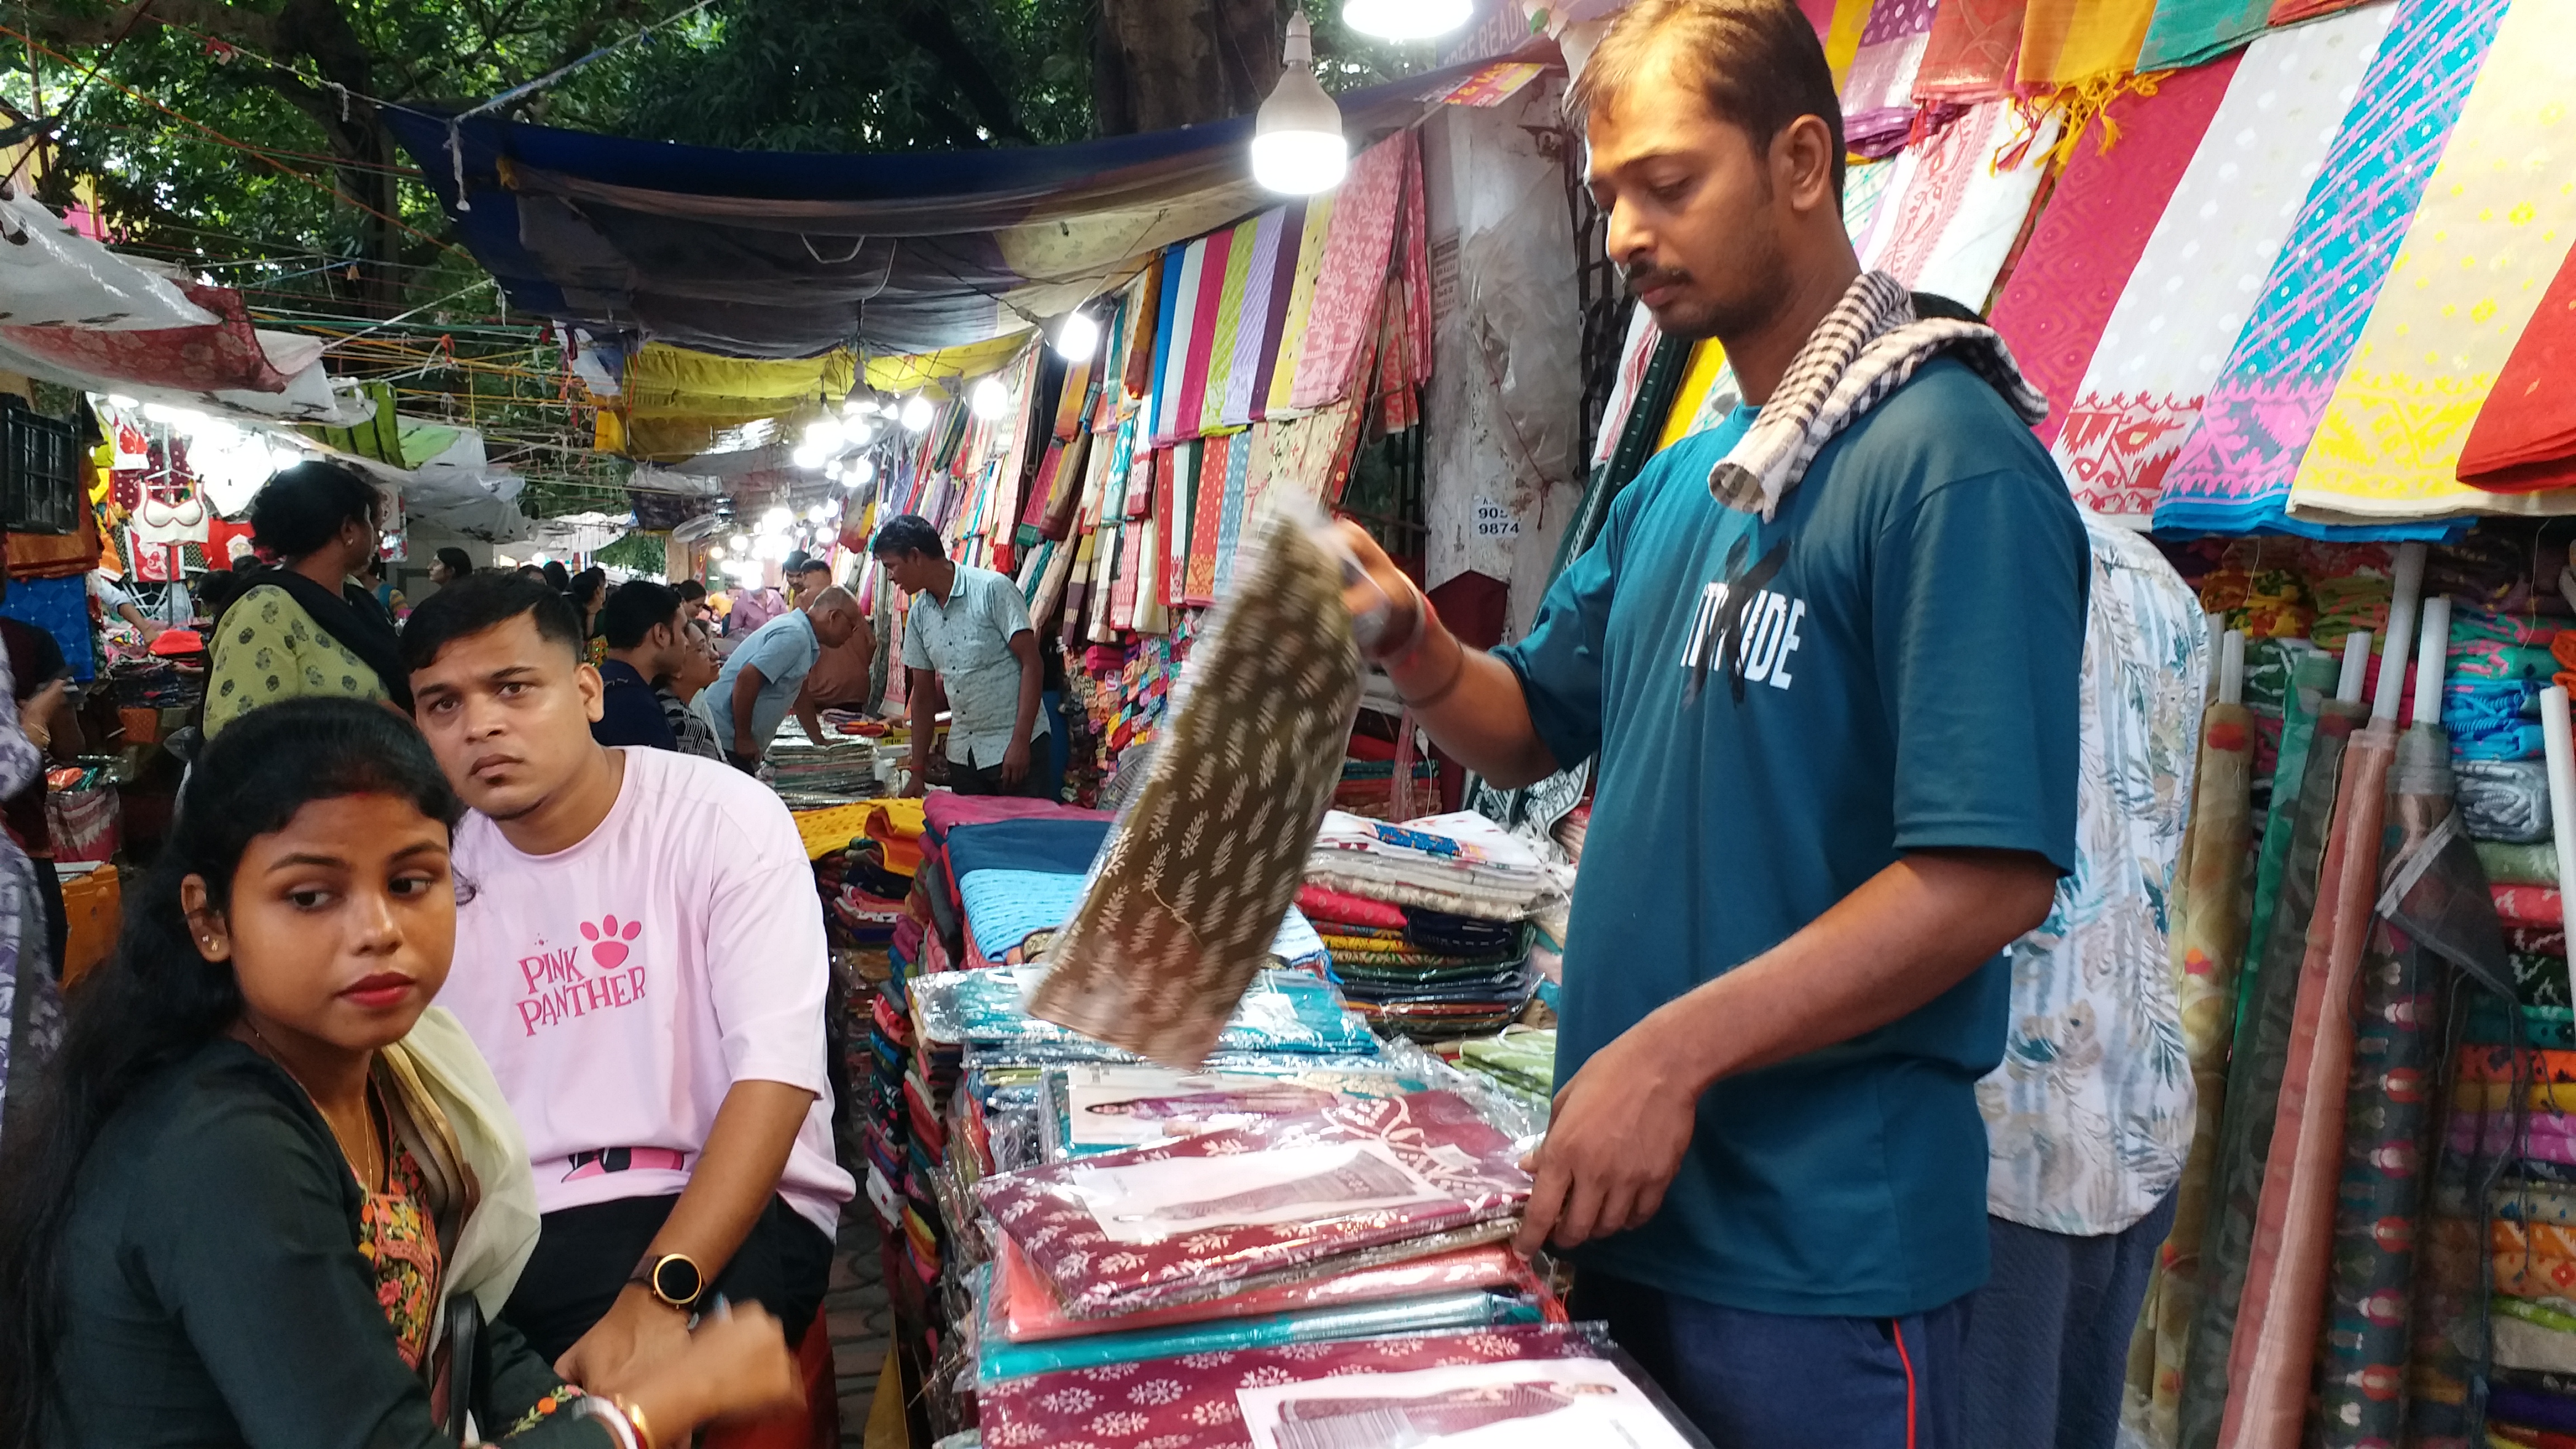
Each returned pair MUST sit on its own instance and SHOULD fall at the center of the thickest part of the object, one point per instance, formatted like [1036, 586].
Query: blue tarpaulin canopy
[779, 254]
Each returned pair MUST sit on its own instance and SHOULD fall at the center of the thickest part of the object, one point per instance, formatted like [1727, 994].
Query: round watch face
[676, 1280]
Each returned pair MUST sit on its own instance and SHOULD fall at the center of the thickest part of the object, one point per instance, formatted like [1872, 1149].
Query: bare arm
[921, 695]
[809, 716]
[747, 686]
[1908, 934]
[1470, 701]
[1015, 758]
[730, 1185]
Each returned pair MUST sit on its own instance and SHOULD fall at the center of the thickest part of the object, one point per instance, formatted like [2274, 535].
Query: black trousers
[987, 779]
[585, 1255]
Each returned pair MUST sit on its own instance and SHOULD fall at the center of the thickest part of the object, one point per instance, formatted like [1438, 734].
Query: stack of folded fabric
[2498, 664]
[1329, 1278]
[1428, 922]
[2510, 1124]
[807, 775]
[1017, 878]
[1521, 1061]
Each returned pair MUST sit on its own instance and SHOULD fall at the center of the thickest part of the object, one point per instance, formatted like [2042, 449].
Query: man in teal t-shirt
[1784, 973]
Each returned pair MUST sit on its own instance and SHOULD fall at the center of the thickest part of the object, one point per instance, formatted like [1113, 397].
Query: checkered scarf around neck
[1873, 341]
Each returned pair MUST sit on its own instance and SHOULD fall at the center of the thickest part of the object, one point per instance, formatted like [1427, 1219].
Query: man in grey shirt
[969, 633]
[765, 677]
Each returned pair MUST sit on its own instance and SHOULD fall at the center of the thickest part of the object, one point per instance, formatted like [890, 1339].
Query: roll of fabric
[2534, 1338]
[2194, 1347]
[2390, 1109]
[2273, 1357]
[2312, 681]
[2208, 946]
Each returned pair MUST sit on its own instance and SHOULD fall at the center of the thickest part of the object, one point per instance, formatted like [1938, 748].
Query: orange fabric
[91, 904]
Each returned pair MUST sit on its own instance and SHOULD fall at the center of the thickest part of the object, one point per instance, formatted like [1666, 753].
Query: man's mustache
[1643, 275]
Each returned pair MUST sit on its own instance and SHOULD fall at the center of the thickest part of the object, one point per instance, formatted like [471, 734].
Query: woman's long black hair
[156, 1000]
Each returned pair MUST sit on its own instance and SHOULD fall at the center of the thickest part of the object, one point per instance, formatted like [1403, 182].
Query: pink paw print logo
[608, 940]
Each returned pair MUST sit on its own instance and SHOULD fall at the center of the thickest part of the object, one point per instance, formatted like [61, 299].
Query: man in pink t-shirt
[643, 963]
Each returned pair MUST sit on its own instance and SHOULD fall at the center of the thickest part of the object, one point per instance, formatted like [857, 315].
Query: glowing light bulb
[917, 413]
[1077, 337]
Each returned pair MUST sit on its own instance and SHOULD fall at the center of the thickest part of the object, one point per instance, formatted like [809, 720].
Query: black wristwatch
[674, 1278]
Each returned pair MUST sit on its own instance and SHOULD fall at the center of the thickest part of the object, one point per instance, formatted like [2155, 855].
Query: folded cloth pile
[1521, 1061]
[1510, 1387]
[1428, 921]
[807, 775]
[1362, 1182]
[2493, 719]
[2504, 800]
[1282, 1012]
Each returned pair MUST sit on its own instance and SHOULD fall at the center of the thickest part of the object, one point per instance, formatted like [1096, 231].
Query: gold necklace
[368, 1177]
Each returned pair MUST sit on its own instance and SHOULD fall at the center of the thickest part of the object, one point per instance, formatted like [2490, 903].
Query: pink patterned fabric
[1910, 226]
[1408, 1167]
[1352, 284]
[2096, 227]
[1202, 336]
[1878, 99]
[1188, 1402]
[1257, 334]
[1030, 1313]
[226, 357]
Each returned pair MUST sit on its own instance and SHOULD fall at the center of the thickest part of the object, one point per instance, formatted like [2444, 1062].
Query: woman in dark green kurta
[226, 1217]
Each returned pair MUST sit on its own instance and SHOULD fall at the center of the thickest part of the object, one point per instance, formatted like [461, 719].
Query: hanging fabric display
[1972, 51]
[1351, 286]
[2099, 220]
[2072, 42]
[2185, 300]
[1960, 200]
[2235, 470]
[2498, 218]
[2525, 436]
[1878, 97]
[2188, 32]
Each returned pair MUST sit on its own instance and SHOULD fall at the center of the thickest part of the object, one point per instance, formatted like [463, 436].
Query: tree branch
[927, 25]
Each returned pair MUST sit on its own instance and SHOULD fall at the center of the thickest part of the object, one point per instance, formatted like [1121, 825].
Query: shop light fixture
[777, 519]
[1077, 337]
[917, 413]
[1406, 19]
[860, 474]
[990, 399]
[825, 433]
[1297, 145]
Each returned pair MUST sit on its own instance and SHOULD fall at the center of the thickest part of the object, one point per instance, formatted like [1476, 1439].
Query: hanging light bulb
[990, 399]
[1406, 19]
[917, 413]
[777, 519]
[825, 433]
[808, 457]
[1297, 145]
[860, 474]
[1077, 337]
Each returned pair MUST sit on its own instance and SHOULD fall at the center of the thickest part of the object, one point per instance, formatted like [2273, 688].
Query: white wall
[1507, 350]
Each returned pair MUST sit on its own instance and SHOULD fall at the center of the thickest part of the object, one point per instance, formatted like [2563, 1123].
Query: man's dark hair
[1757, 63]
[908, 533]
[304, 507]
[460, 564]
[587, 585]
[558, 578]
[486, 601]
[635, 609]
[690, 591]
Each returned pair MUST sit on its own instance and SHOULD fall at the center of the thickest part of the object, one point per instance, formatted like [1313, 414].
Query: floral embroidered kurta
[2090, 1116]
